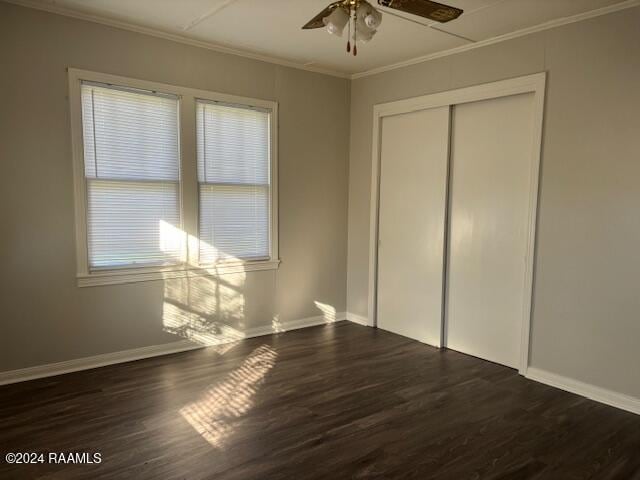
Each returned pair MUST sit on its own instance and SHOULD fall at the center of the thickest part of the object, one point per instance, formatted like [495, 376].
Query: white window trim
[188, 185]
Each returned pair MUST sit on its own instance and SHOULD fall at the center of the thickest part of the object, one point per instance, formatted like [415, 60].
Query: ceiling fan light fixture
[363, 33]
[336, 21]
[367, 21]
[373, 19]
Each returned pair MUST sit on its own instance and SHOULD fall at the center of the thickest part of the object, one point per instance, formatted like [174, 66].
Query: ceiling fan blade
[424, 8]
[316, 22]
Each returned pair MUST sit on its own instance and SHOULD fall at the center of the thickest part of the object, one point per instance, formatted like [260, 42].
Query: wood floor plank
[331, 402]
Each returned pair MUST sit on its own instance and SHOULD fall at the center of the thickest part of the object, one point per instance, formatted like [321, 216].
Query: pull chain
[355, 32]
[349, 37]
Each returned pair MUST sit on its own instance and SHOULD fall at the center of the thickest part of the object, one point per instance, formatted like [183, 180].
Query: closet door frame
[527, 84]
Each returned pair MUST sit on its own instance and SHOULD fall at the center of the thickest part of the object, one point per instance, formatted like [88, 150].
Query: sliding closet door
[489, 219]
[413, 181]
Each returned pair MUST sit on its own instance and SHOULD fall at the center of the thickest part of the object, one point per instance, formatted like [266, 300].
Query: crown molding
[502, 38]
[56, 9]
[154, 32]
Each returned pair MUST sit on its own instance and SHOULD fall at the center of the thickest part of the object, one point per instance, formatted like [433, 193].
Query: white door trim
[528, 84]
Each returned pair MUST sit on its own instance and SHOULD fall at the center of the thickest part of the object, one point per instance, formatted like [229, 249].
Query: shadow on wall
[209, 307]
[204, 310]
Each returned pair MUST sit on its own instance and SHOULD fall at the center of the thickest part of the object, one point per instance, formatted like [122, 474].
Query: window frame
[188, 184]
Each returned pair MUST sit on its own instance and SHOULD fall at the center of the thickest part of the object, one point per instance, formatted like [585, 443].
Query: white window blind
[132, 165]
[233, 160]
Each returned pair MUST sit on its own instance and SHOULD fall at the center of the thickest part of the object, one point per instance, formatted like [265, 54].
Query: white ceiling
[272, 27]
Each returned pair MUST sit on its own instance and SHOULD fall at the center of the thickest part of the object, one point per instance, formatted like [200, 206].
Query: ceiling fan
[363, 19]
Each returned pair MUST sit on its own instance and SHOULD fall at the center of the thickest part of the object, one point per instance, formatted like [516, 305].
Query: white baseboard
[296, 324]
[360, 320]
[87, 363]
[602, 395]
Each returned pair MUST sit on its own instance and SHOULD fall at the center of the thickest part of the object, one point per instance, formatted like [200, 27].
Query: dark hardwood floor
[332, 402]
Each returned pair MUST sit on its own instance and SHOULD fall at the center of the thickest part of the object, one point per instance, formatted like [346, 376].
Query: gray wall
[586, 321]
[45, 316]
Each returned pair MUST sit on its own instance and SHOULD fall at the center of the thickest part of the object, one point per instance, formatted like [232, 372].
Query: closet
[457, 180]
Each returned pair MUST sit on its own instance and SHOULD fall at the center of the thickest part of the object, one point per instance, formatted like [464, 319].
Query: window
[233, 178]
[170, 181]
[132, 171]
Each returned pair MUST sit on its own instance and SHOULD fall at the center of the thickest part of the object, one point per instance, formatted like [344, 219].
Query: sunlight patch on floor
[214, 414]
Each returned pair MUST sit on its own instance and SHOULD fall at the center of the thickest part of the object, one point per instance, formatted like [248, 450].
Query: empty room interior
[305, 239]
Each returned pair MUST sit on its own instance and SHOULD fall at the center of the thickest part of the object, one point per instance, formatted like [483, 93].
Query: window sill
[115, 277]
